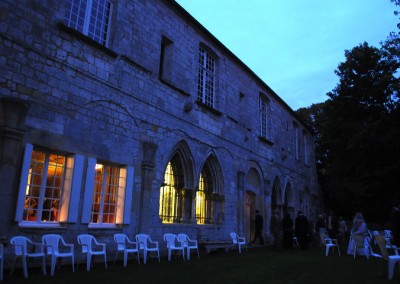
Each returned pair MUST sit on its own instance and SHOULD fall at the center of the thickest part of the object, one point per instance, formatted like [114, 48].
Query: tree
[357, 134]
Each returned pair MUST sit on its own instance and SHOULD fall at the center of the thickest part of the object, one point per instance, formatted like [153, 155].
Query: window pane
[44, 186]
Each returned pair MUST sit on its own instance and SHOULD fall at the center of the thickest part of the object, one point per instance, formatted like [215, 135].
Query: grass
[257, 265]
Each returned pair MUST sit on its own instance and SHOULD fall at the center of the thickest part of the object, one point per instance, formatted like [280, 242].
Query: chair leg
[44, 265]
[24, 267]
[105, 260]
[390, 270]
[53, 264]
[88, 259]
[125, 258]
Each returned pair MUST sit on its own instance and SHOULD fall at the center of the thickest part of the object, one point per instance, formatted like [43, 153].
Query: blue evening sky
[294, 46]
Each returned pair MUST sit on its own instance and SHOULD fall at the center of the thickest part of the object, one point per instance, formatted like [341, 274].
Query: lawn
[257, 265]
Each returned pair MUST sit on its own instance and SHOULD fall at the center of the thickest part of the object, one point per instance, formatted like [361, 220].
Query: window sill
[172, 86]
[87, 39]
[103, 226]
[265, 140]
[208, 108]
[27, 224]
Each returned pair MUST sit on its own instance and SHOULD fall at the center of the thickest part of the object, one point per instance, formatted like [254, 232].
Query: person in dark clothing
[259, 227]
[395, 223]
[287, 227]
[276, 228]
[302, 230]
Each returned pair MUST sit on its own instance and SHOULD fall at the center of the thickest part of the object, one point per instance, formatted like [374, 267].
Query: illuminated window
[263, 113]
[171, 199]
[206, 78]
[105, 195]
[203, 197]
[44, 186]
[90, 17]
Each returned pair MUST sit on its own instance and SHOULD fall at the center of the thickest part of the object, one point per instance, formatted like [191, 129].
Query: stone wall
[110, 103]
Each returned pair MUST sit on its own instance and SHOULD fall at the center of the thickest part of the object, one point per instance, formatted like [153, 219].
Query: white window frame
[69, 193]
[79, 17]
[124, 197]
[206, 78]
[263, 107]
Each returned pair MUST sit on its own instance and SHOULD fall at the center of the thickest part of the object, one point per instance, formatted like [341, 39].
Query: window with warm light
[44, 186]
[171, 205]
[206, 78]
[105, 194]
[203, 197]
[89, 17]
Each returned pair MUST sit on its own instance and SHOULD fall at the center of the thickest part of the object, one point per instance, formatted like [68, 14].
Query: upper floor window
[166, 55]
[296, 140]
[90, 17]
[206, 78]
[263, 115]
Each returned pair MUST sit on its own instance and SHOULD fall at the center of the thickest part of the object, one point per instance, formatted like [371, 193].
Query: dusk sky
[294, 46]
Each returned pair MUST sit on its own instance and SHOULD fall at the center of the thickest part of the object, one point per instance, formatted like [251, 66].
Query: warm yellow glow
[168, 196]
[99, 167]
[200, 202]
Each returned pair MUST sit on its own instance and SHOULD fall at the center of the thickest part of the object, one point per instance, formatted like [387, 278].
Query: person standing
[287, 227]
[302, 230]
[276, 228]
[395, 223]
[342, 230]
[259, 221]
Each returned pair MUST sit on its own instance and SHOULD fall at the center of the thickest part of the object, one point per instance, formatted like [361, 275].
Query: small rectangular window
[263, 115]
[206, 78]
[90, 17]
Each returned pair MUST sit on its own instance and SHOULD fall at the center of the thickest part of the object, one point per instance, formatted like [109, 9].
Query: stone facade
[114, 102]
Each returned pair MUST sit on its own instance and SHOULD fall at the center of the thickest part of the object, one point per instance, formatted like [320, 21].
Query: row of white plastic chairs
[54, 245]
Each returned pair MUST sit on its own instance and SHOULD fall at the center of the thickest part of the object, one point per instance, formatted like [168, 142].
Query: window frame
[205, 55]
[264, 115]
[123, 197]
[104, 37]
[69, 195]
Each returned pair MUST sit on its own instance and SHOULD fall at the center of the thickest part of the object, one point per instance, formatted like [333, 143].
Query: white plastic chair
[391, 259]
[147, 245]
[1, 261]
[22, 246]
[327, 243]
[173, 243]
[127, 246]
[238, 241]
[91, 247]
[57, 248]
[189, 244]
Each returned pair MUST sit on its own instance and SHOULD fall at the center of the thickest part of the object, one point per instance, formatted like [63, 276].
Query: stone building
[129, 116]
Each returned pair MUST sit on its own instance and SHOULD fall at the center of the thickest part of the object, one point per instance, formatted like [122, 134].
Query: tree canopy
[357, 132]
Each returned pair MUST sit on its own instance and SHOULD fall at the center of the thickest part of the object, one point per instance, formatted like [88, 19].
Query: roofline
[185, 14]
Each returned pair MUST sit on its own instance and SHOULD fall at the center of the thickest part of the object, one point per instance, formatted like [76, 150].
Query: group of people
[284, 227]
[336, 227]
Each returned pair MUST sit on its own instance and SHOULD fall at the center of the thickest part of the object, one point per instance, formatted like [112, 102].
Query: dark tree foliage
[357, 132]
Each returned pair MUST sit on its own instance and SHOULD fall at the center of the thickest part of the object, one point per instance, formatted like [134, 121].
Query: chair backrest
[85, 241]
[381, 242]
[20, 244]
[322, 237]
[170, 239]
[142, 239]
[183, 238]
[120, 239]
[234, 237]
[51, 241]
